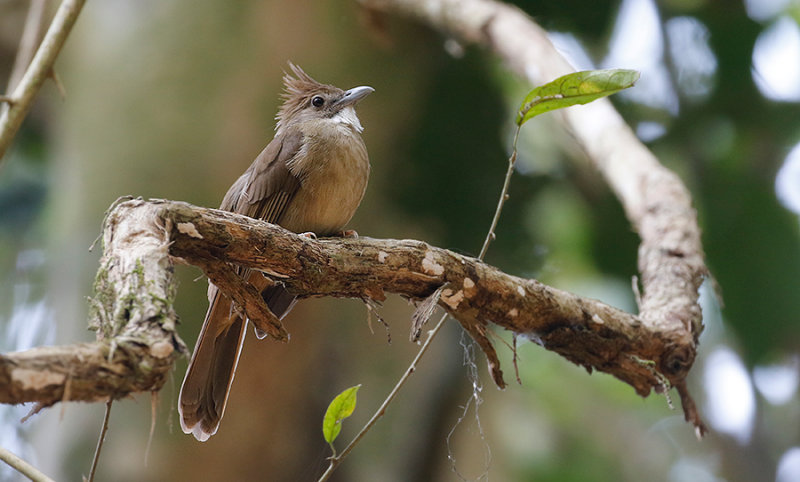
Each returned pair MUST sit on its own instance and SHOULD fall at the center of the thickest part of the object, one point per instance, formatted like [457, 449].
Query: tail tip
[197, 430]
[196, 427]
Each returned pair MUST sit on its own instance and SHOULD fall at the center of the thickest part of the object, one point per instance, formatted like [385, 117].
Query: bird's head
[305, 99]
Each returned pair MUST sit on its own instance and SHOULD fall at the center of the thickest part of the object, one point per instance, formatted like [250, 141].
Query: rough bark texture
[585, 331]
[83, 372]
[133, 315]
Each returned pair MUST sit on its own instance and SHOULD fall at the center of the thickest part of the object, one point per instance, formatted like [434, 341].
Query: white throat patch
[348, 116]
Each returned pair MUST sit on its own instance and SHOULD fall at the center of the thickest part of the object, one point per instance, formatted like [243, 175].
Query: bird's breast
[333, 167]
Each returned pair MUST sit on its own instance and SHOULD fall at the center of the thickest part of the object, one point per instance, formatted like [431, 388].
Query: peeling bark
[133, 315]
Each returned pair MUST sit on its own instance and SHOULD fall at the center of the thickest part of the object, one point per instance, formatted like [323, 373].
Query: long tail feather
[205, 388]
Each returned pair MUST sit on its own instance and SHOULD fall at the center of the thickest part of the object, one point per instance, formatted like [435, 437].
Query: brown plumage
[310, 178]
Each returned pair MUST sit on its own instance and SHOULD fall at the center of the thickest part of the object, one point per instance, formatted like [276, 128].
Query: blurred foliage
[454, 161]
[454, 153]
[755, 260]
[23, 185]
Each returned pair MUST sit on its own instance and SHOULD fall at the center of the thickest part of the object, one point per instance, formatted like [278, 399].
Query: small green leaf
[575, 88]
[340, 408]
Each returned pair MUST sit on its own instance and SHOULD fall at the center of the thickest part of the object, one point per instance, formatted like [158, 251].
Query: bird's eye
[317, 101]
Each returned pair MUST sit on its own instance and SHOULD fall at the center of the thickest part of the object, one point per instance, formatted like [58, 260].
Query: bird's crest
[298, 88]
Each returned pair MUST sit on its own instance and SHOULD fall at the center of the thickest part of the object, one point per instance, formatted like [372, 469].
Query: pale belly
[331, 189]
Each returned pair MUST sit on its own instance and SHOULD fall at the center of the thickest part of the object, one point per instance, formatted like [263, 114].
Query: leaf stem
[490, 236]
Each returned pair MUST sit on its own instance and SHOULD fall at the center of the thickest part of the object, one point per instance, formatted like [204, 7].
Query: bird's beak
[352, 96]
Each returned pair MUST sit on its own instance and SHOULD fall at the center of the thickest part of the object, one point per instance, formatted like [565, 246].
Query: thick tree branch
[585, 331]
[133, 314]
[671, 260]
[83, 372]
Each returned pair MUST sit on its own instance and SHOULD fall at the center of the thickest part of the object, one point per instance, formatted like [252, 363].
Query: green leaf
[340, 408]
[575, 88]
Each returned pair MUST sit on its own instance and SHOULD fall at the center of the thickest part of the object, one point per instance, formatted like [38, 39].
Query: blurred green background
[174, 98]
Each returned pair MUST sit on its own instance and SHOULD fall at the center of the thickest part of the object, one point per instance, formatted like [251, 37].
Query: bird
[309, 179]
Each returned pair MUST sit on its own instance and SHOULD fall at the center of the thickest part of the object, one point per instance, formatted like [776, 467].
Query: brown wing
[263, 192]
[267, 187]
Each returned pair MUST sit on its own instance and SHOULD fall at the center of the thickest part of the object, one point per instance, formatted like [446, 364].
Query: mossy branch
[135, 322]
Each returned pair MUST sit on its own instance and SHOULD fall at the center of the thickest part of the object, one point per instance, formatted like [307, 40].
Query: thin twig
[336, 460]
[503, 198]
[38, 71]
[23, 467]
[100, 440]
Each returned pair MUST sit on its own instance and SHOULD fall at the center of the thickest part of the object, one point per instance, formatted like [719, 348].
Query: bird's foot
[308, 235]
[350, 233]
